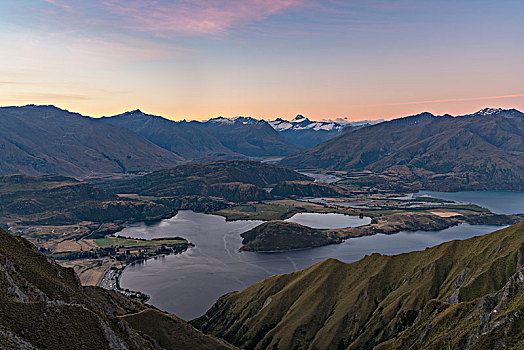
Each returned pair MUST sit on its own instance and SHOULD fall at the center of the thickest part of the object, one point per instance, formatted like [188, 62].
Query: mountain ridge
[476, 151]
[49, 140]
[389, 301]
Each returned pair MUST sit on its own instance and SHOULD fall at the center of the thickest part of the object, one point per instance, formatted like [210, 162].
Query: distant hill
[188, 140]
[43, 306]
[465, 294]
[47, 140]
[484, 150]
[59, 200]
[233, 180]
[249, 136]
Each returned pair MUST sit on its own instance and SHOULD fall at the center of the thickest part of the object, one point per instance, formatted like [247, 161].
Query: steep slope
[233, 180]
[460, 294]
[48, 140]
[484, 150]
[182, 138]
[248, 136]
[42, 305]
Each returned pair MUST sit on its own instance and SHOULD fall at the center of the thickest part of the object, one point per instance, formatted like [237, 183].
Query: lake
[501, 202]
[328, 220]
[188, 284]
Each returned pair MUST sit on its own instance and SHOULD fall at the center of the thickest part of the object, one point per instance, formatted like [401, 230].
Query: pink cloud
[162, 17]
[195, 16]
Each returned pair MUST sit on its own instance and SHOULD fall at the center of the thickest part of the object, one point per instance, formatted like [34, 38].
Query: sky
[325, 59]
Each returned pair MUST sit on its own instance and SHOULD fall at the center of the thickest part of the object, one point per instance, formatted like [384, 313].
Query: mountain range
[48, 140]
[248, 136]
[479, 151]
[484, 150]
[302, 131]
[187, 140]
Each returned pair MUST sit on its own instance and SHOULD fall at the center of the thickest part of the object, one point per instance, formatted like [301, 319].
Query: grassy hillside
[480, 151]
[281, 235]
[58, 200]
[438, 298]
[308, 189]
[42, 305]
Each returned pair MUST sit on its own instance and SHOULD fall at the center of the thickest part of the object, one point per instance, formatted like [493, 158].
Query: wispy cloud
[47, 96]
[442, 101]
[162, 17]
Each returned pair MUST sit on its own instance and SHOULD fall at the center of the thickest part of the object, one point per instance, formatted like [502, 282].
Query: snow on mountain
[302, 123]
[243, 120]
[489, 111]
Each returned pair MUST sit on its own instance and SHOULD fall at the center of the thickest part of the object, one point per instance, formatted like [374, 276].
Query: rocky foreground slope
[43, 306]
[461, 295]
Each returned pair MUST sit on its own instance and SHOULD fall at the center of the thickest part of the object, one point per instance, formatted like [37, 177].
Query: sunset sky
[195, 59]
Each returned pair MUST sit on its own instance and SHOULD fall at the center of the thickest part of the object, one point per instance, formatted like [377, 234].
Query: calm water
[189, 283]
[328, 220]
[501, 202]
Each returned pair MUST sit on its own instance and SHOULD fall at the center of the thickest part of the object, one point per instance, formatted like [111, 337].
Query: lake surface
[501, 202]
[188, 284]
[328, 220]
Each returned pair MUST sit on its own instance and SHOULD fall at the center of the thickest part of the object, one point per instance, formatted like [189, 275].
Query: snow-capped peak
[302, 123]
[489, 111]
[243, 120]
[299, 119]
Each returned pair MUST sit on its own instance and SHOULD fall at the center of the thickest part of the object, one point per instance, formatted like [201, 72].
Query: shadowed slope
[48, 140]
[182, 138]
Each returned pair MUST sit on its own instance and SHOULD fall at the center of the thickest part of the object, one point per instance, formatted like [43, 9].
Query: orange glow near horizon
[197, 59]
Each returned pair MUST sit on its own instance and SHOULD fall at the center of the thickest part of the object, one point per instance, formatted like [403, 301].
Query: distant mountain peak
[485, 112]
[489, 111]
[133, 112]
[299, 118]
[233, 120]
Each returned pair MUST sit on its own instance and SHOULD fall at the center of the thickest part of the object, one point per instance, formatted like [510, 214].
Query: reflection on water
[329, 220]
[501, 202]
[189, 283]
